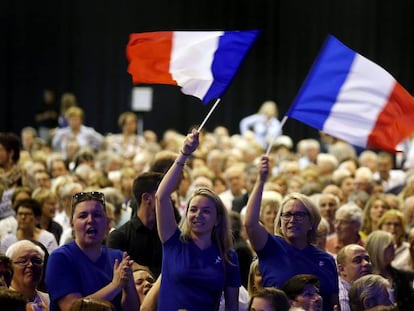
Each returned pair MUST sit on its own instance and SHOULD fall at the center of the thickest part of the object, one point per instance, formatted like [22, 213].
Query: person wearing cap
[85, 267]
[290, 250]
[353, 262]
[302, 291]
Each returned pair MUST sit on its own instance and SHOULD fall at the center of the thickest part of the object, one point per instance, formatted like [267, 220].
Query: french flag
[202, 63]
[351, 98]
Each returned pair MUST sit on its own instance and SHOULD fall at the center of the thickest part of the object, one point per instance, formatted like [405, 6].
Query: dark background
[79, 46]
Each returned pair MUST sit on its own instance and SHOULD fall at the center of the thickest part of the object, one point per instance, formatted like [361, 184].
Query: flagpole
[274, 137]
[208, 115]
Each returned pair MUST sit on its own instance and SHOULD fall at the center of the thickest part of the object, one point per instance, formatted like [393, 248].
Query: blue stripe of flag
[232, 48]
[320, 90]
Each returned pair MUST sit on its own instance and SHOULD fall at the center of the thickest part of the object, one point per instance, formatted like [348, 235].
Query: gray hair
[16, 247]
[351, 209]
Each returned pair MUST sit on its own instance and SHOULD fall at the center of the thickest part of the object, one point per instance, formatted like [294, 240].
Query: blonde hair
[254, 268]
[41, 195]
[221, 235]
[124, 116]
[74, 112]
[366, 219]
[376, 244]
[391, 214]
[306, 202]
[269, 108]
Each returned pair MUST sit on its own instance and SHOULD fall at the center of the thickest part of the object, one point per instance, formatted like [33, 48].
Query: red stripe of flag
[149, 57]
[395, 122]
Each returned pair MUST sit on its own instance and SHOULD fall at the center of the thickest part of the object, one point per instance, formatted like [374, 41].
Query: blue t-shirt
[279, 261]
[193, 279]
[69, 270]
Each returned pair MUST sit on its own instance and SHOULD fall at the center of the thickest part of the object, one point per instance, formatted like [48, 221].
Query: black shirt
[142, 244]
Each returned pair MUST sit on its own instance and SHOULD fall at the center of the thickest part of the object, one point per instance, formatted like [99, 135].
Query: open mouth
[91, 231]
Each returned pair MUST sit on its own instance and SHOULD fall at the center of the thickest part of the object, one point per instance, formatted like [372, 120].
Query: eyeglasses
[23, 214]
[299, 216]
[37, 261]
[343, 222]
[330, 204]
[86, 196]
[389, 224]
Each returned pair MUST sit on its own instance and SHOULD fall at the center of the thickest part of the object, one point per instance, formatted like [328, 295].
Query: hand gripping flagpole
[274, 137]
[208, 115]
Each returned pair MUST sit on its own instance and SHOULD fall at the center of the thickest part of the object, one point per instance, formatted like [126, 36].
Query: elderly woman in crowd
[28, 259]
[290, 251]
[85, 267]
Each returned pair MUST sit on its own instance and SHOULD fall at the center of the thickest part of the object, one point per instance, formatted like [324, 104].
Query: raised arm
[166, 223]
[256, 232]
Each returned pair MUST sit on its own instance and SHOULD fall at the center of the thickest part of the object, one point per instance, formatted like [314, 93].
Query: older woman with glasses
[28, 259]
[290, 251]
[85, 267]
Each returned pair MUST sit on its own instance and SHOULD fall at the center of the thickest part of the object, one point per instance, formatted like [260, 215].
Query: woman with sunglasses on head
[290, 251]
[87, 268]
[198, 263]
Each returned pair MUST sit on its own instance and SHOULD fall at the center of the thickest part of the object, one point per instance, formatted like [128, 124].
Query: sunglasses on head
[86, 196]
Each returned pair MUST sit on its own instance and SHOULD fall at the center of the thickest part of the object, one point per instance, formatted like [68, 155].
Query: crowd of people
[201, 221]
